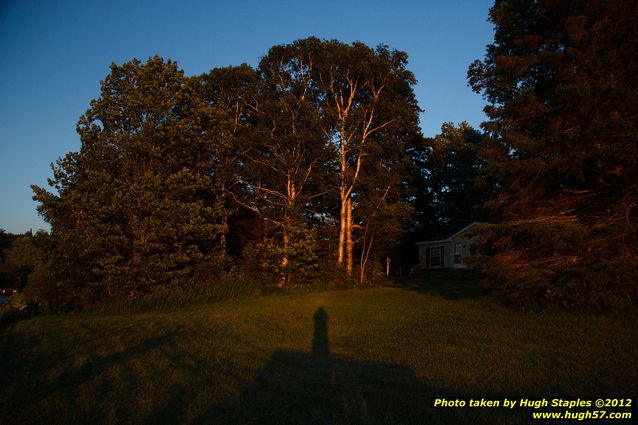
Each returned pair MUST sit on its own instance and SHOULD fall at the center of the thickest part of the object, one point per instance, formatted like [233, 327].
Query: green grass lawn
[352, 356]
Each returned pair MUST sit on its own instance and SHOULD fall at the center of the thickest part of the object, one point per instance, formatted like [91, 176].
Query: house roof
[449, 236]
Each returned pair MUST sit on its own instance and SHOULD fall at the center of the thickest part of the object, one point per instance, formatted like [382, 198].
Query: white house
[446, 252]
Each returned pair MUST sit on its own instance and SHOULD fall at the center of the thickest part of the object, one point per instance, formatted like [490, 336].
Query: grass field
[351, 356]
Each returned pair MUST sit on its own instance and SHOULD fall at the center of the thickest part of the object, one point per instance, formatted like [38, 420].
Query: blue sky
[54, 54]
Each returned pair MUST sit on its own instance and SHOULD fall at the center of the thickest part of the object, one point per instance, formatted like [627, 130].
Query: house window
[435, 256]
[458, 250]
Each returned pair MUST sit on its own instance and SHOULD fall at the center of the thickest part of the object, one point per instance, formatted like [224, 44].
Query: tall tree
[561, 80]
[330, 98]
[366, 100]
[133, 209]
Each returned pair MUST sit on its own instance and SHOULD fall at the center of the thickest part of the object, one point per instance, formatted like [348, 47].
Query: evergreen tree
[560, 78]
[132, 210]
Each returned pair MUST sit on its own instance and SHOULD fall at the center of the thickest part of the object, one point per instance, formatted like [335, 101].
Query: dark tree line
[23, 260]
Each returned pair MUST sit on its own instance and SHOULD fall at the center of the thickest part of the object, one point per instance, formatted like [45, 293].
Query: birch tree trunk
[342, 232]
[349, 236]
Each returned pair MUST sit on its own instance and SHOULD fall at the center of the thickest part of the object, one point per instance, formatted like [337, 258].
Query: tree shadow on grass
[61, 381]
[319, 388]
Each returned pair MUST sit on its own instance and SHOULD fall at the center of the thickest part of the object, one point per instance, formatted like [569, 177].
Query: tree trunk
[349, 237]
[283, 275]
[342, 231]
[365, 254]
[222, 239]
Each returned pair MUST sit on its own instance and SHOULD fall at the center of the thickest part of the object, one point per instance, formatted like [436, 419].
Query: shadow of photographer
[297, 387]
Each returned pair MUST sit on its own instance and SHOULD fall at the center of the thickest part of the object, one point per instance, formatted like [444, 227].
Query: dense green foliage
[134, 209]
[561, 80]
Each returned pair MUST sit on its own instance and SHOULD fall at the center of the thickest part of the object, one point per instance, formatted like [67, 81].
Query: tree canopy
[134, 208]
